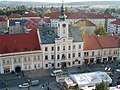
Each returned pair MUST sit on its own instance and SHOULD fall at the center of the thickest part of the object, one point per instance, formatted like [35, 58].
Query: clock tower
[62, 24]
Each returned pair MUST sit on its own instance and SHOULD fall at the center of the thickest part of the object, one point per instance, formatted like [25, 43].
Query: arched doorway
[64, 65]
[17, 69]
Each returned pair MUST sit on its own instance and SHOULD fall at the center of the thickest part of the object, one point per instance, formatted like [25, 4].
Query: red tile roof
[36, 20]
[19, 42]
[47, 20]
[92, 42]
[31, 25]
[3, 18]
[117, 22]
[15, 16]
[107, 41]
[70, 15]
[30, 14]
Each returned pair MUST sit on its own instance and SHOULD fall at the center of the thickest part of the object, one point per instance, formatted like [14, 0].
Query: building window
[69, 55]
[79, 46]
[69, 48]
[52, 56]
[24, 58]
[3, 61]
[8, 61]
[98, 53]
[35, 66]
[73, 54]
[86, 54]
[109, 52]
[52, 48]
[63, 47]
[38, 65]
[58, 56]
[46, 65]
[79, 54]
[92, 53]
[46, 49]
[73, 46]
[69, 63]
[58, 48]
[104, 52]
[15, 60]
[78, 62]
[18, 59]
[58, 64]
[29, 66]
[38, 57]
[46, 57]
[73, 62]
[34, 57]
[28, 58]
[52, 64]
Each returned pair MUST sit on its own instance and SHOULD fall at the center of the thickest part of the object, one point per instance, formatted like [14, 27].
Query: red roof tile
[90, 42]
[31, 25]
[19, 42]
[70, 15]
[117, 22]
[36, 20]
[3, 18]
[107, 41]
[15, 16]
[29, 14]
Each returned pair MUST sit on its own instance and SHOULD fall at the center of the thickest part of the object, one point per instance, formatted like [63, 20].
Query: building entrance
[18, 69]
[64, 65]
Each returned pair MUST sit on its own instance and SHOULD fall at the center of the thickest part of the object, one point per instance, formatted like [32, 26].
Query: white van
[56, 72]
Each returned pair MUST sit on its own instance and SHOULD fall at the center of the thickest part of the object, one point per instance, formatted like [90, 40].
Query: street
[45, 77]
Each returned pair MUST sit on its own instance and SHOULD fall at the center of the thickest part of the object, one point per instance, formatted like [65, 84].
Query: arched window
[58, 56]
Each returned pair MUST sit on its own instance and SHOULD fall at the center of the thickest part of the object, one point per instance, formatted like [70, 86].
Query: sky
[57, 1]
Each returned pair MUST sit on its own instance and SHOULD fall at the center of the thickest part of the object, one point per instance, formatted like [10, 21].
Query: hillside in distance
[15, 3]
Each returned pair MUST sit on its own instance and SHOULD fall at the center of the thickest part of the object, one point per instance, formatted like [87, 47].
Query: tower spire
[62, 12]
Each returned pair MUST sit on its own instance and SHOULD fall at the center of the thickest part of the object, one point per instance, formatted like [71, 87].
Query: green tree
[101, 86]
[100, 30]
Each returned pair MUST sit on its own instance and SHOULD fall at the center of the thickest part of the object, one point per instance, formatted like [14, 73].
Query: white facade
[114, 28]
[20, 61]
[100, 55]
[64, 52]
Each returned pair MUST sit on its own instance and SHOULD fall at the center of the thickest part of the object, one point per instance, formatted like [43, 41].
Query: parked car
[35, 82]
[118, 70]
[24, 85]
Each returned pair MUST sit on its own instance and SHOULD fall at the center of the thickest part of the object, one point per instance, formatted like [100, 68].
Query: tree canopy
[100, 30]
[101, 86]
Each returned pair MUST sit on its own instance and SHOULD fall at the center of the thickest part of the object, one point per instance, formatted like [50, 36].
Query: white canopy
[90, 79]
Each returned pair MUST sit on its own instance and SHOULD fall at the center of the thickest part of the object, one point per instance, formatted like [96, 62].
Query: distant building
[4, 23]
[93, 17]
[115, 27]
[86, 26]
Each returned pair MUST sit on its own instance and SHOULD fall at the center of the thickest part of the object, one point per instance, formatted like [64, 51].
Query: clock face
[64, 25]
